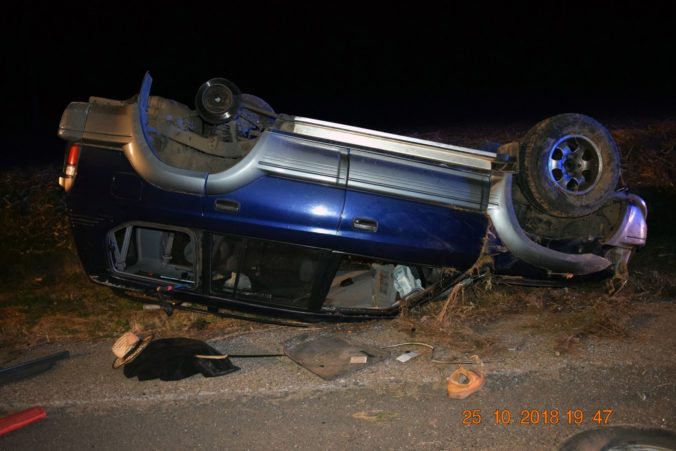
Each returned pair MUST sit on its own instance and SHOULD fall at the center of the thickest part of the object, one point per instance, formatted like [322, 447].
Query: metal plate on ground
[330, 356]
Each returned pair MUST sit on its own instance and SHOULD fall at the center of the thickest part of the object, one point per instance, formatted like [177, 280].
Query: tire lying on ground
[621, 438]
[569, 165]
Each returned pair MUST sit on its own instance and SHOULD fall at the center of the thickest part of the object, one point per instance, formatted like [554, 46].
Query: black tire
[621, 438]
[569, 165]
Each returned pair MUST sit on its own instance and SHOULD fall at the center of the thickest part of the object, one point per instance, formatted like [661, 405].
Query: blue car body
[314, 219]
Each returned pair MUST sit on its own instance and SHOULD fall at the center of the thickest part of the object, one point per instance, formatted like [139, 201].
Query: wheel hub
[574, 164]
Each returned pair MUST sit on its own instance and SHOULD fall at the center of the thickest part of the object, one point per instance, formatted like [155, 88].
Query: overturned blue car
[232, 206]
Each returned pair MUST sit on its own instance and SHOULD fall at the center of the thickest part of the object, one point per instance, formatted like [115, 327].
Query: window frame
[111, 247]
[327, 265]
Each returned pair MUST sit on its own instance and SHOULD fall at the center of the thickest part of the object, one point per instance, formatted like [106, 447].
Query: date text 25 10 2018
[533, 417]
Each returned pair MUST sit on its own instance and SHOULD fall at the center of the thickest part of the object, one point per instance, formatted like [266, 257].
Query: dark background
[392, 67]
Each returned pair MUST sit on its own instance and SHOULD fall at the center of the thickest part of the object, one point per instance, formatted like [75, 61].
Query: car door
[273, 234]
[293, 191]
[413, 211]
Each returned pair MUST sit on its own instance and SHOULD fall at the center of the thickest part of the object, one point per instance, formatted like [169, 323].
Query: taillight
[70, 167]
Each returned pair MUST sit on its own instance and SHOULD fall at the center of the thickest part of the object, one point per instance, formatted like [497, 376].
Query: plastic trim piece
[144, 160]
[506, 224]
[633, 230]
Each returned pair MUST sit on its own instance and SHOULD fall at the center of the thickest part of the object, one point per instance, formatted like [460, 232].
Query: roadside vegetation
[45, 296]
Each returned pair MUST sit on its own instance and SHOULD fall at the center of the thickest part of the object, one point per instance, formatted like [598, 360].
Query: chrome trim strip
[388, 142]
[506, 224]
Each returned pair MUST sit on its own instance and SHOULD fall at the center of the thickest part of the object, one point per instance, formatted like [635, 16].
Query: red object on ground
[20, 419]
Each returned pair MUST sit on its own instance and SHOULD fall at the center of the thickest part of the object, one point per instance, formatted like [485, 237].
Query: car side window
[226, 255]
[154, 252]
[264, 271]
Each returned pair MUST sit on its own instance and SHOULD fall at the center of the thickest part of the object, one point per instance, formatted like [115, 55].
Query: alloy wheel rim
[574, 164]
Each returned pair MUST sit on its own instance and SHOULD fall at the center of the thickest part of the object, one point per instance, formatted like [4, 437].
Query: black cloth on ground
[172, 359]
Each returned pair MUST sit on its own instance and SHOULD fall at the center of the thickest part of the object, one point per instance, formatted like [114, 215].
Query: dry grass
[568, 315]
[648, 155]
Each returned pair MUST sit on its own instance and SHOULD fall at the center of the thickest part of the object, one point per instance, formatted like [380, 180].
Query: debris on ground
[21, 419]
[168, 359]
[32, 367]
[463, 382]
[330, 356]
[408, 355]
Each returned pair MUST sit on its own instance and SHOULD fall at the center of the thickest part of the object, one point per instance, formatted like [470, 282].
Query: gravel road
[273, 402]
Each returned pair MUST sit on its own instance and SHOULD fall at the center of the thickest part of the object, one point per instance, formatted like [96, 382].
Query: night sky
[390, 67]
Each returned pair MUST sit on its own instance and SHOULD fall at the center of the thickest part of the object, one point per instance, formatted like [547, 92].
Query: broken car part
[330, 356]
[21, 419]
[32, 367]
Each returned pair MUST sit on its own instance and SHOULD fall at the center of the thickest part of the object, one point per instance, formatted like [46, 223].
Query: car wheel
[621, 438]
[217, 100]
[569, 165]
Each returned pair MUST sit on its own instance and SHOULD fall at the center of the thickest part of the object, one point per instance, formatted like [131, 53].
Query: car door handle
[226, 205]
[368, 225]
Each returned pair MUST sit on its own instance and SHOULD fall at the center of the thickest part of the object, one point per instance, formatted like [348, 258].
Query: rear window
[155, 252]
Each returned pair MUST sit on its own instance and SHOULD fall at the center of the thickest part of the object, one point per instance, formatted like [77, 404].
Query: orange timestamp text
[535, 417]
